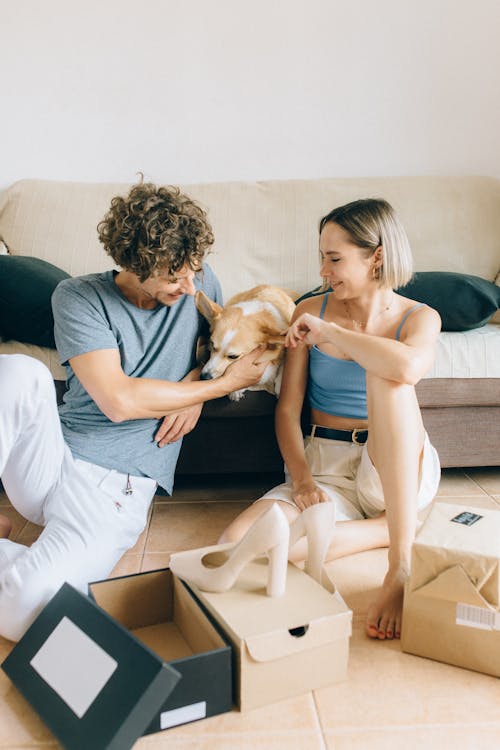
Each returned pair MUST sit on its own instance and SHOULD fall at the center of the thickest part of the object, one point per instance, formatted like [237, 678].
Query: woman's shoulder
[406, 305]
[415, 312]
[312, 304]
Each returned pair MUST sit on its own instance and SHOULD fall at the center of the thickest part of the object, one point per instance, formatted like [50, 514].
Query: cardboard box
[283, 646]
[451, 606]
[135, 657]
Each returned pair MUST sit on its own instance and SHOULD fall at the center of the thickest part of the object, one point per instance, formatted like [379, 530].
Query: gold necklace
[362, 324]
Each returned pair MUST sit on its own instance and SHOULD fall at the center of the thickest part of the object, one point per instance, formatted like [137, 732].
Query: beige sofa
[266, 232]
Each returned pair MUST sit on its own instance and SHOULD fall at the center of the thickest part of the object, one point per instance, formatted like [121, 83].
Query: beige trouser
[346, 474]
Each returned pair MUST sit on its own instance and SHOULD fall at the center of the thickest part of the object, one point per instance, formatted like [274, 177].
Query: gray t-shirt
[91, 313]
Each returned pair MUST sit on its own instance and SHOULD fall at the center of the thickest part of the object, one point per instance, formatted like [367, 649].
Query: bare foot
[5, 527]
[384, 615]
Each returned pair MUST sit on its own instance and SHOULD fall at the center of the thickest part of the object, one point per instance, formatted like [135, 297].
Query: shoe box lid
[96, 685]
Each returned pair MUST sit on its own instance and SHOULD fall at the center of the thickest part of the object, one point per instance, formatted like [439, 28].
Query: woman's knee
[389, 387]
[388, 400]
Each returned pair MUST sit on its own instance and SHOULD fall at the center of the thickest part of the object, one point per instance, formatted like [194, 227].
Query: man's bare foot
[385, 614]
[5, 527]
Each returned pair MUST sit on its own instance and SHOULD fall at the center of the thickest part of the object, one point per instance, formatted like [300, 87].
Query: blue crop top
[338, 386]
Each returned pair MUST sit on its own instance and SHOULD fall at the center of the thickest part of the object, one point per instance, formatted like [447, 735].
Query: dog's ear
[275, 337]
[268, 355]
[277, 340]
[202, 351]
[207, 307]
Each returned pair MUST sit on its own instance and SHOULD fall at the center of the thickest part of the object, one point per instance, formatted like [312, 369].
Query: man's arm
[121, 397]
[177, 424]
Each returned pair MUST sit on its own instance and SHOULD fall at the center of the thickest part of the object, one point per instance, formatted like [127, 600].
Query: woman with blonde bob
[355, 353]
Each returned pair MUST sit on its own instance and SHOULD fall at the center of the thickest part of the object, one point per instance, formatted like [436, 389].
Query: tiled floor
[390, 700]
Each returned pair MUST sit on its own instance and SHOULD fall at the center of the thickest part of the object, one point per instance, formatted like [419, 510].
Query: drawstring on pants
[128, 487]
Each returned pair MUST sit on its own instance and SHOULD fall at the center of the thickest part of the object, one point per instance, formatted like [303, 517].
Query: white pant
[89, 520]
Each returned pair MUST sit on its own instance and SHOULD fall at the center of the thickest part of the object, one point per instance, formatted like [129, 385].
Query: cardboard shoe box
[451, 606]
[284, 646]
[136, 656]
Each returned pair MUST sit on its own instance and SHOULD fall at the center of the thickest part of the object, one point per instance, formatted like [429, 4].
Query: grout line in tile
[473, 480]
[477, 483]
[16, 537]
[320, 723]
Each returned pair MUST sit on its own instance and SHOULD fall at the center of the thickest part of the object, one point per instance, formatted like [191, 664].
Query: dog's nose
[205, 376]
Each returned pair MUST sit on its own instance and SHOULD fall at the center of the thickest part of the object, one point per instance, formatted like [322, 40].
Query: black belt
[357, 436]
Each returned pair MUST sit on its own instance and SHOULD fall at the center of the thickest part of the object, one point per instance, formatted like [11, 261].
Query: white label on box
[477, 617]
[183, 715]
[74, 666]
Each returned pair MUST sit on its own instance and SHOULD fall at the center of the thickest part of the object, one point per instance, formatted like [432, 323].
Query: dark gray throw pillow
[26, 286]
[463, 301]
[313, 293]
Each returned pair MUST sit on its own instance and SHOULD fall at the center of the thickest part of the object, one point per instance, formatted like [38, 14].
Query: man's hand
[246, 371]
[307, 494]
[176, 425]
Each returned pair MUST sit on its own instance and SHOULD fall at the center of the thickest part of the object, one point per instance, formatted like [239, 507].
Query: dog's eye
[233, 356]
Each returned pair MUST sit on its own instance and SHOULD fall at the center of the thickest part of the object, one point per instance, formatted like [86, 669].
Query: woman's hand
[307, 494]
[176, 425]
[307, 329]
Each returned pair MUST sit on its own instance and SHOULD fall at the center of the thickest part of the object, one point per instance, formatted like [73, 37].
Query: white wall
[205, 90]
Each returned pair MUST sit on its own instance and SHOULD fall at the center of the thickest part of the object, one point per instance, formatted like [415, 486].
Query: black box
[136, 656]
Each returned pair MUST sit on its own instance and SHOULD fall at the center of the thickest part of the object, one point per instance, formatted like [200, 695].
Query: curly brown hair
[155, 230]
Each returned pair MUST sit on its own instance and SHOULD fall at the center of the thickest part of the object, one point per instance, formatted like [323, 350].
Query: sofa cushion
[313, 293]
[467, 354]
[463, 301]
[26, 286]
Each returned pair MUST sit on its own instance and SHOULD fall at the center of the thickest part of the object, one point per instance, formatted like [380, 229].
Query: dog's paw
[237, 395]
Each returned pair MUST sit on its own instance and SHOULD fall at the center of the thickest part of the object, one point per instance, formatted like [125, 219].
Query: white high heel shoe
[269, 535]
[317, 523]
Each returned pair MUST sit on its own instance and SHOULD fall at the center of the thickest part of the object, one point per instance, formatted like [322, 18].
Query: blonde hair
[371, 223]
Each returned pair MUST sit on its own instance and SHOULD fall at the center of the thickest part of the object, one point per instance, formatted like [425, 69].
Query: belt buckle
[354, 435]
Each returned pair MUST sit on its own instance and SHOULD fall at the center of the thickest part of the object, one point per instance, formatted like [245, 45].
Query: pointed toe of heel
[215, 569]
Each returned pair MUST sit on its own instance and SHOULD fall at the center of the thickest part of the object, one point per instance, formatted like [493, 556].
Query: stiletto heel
[317, 523]
[216, 568]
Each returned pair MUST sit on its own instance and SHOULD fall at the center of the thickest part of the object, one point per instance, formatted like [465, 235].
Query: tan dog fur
[259, 316]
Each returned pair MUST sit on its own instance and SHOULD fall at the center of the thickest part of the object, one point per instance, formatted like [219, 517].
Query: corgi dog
[259, 316]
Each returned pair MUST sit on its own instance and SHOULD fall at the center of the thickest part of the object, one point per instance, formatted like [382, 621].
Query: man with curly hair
[128, 341]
